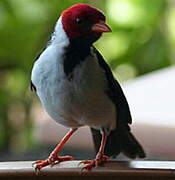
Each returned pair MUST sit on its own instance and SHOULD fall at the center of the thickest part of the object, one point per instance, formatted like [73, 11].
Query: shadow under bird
[77, 88]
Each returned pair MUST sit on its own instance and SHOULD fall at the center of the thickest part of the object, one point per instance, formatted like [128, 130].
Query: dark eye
[79, 21]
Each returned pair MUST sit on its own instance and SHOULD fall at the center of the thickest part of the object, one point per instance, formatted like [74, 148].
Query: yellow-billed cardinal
[77, 88]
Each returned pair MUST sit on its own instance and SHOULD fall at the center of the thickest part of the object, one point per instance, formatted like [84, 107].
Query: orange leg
[53, 157]
[100, 157]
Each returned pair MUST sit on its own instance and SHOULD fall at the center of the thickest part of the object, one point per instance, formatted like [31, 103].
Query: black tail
[119, 141]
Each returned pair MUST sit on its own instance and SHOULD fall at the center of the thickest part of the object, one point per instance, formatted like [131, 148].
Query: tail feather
[119, 142]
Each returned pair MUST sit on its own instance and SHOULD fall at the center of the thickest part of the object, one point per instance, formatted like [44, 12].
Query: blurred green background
[143, 40]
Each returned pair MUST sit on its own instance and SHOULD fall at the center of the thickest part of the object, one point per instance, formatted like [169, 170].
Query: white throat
[59, 35]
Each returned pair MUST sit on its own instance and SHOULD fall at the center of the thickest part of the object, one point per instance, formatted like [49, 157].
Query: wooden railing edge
[120, 169]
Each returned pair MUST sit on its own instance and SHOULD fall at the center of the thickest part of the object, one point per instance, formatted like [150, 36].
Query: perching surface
[121, 170]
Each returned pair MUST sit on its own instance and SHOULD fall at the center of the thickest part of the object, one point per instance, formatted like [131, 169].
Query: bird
[76, 87]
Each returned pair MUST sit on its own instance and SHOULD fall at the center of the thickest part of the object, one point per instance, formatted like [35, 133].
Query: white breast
[81, 101]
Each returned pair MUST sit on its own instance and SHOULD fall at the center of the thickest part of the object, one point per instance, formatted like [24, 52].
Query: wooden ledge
[121, 170]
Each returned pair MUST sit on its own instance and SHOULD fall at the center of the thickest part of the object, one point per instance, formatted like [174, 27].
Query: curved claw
[88, 167]
[93, 163]
[52, 160]
[40, 164]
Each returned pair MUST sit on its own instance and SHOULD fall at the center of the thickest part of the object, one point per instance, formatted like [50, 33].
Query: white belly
[81, 101]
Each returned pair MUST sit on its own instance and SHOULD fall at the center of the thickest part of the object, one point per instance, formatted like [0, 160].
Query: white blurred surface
[152, 97]
[152, 103]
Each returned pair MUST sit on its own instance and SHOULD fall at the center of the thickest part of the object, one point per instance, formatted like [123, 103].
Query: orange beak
[101, 27]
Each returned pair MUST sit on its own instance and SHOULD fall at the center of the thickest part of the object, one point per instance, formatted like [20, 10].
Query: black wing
[120, 139]
[116, 94]
[32, 86]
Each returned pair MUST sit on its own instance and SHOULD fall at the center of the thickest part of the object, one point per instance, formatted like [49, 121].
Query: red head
[84, 21]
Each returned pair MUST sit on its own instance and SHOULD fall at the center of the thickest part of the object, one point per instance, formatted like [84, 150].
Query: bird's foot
[52, 160]
[94, 163]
